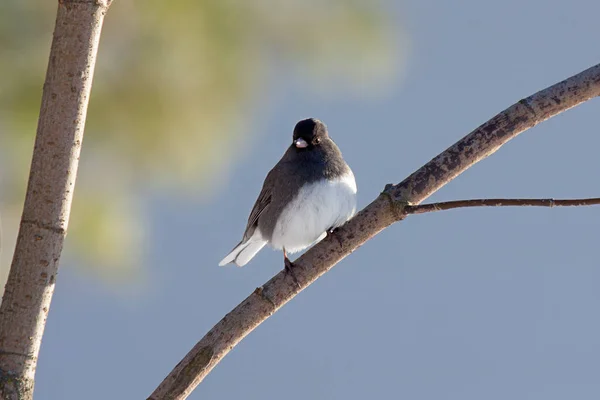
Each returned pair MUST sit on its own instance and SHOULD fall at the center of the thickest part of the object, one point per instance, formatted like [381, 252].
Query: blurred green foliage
[175, 82]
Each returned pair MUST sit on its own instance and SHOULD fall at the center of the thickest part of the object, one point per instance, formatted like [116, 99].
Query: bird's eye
[317, 140]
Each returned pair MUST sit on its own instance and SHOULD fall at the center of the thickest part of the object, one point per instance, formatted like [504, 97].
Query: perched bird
[308, 193]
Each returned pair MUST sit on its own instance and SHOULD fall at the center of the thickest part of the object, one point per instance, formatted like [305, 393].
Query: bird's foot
[288, 265]
[333, 232]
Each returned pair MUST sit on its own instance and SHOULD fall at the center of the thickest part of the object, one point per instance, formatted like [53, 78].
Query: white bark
[32, 276]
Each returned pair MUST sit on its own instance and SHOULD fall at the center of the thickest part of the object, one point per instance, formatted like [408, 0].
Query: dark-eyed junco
[308, 193]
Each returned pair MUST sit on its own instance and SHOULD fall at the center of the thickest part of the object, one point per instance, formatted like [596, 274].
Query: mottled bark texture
[382, 212]
[32, 276]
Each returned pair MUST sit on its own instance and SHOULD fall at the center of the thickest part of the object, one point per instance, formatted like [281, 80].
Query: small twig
[449, 205]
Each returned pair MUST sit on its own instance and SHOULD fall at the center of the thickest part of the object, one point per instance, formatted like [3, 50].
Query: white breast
[317, 207]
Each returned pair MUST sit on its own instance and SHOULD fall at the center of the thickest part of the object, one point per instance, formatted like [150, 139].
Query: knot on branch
[260, 292]
[398, 205]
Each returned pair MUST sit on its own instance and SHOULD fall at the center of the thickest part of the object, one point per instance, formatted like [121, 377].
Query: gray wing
[262, 203]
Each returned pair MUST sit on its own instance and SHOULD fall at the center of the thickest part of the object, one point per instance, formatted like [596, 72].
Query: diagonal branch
[449, 205]
[386, 209]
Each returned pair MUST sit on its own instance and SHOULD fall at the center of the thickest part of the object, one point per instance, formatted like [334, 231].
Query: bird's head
[309, 133]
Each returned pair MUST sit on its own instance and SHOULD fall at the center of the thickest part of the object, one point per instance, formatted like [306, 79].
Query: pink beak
[300, 143]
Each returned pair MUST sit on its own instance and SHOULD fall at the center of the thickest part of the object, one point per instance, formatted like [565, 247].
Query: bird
[309, 193]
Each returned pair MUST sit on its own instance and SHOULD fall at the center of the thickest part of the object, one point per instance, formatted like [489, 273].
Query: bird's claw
[288, 268]
[332, 232]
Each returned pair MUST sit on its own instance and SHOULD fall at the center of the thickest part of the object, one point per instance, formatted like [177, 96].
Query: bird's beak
[300, 143]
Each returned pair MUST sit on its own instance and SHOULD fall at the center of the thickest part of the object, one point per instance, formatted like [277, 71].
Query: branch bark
[43, 227]
[386, 209]
[449, 205]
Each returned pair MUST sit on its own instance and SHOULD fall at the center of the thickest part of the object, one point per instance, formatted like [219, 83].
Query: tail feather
[244, 252]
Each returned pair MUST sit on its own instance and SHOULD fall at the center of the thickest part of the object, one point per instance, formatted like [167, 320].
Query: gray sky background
[467, 304]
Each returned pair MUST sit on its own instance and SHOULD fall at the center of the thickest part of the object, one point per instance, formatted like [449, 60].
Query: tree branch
[32, 276]
[449, 205]
[386, 209]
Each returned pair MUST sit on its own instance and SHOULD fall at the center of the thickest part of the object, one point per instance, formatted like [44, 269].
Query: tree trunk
[32, 277]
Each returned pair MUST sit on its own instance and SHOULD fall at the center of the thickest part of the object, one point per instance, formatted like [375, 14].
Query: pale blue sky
[466, 304]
